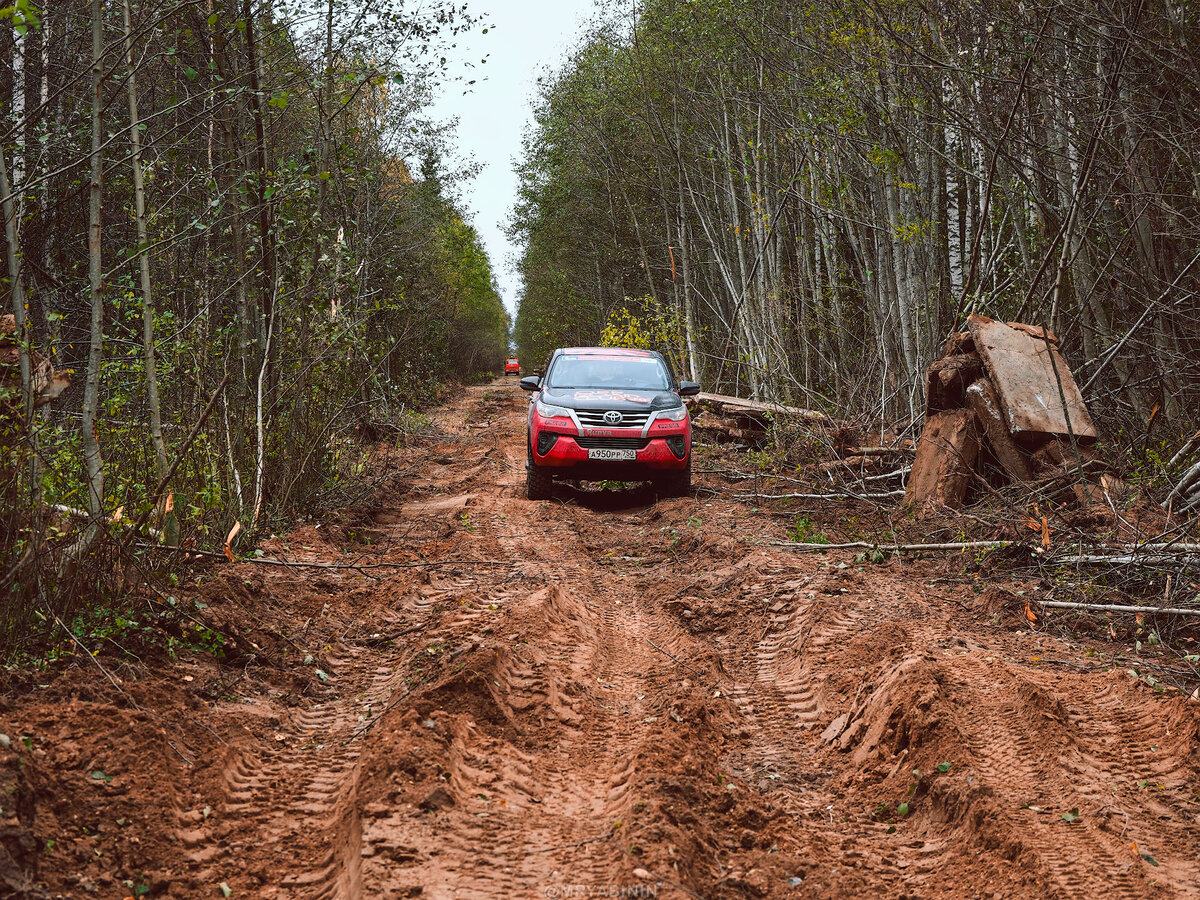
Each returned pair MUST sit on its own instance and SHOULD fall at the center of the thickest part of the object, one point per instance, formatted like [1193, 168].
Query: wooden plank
[1023, 373]
[945, 459]
[981, 397]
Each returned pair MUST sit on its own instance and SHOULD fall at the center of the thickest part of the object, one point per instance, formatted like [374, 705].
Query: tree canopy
[823, 191]
[234, 225]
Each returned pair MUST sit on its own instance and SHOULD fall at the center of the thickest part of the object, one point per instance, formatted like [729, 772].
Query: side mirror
[533, 383]
[688, 389]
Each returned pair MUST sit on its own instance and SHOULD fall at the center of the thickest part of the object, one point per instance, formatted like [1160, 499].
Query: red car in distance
[608, 413]
[512, 366]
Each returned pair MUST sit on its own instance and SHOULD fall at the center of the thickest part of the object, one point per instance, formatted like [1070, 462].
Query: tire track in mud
[587, 642]
[535, 741]
[789, 685]
[300, 792]
[588, 694]
[1003, 743]
[297, 786]
[1099, 748]
[1008, 731]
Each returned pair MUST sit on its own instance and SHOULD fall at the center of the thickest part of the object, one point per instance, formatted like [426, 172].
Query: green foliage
[167, 627]
[23, 15]
[797, 187]
[803, 530]
[649, 325]
[334, 288]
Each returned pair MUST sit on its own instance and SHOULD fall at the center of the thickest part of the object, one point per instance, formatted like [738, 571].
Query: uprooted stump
[1002, 393]
[946, 455]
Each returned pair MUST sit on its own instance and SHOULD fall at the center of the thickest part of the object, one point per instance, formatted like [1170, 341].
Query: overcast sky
[526, 37]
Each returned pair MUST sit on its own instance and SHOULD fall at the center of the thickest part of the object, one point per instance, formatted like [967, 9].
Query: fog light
[545, 441]
[678, 445]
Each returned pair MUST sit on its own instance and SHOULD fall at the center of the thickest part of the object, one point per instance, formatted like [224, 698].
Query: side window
[672, 381]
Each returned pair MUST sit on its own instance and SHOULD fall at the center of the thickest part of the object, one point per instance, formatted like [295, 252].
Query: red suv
[608, 413]
[512, 366]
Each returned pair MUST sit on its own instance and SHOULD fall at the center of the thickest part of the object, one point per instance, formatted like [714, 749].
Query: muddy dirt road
[601, 695]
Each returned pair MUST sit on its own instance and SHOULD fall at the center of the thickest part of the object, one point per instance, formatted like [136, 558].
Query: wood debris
[46, 383]
[1002, 407]
[723, 419]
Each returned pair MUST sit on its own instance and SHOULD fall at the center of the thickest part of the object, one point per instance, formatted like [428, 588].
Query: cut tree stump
[981, 398]
[945, 459]
[1037, 332]
[947, 381]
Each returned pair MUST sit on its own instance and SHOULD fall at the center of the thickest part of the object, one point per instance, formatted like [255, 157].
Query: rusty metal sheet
[1021, 371]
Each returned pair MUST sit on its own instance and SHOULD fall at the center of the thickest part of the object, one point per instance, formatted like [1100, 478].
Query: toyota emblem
[612, 417]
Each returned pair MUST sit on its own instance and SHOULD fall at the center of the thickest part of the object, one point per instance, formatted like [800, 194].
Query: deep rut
[613, 695]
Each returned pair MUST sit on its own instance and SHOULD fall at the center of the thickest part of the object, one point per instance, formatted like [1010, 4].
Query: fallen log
[803, 547]
[735, 406]
[1112, 607]
[905, 449]
[1129, 550]
[1124, 559]
[727, 431]
[1185, 487]
[847, 495]
[854, 465]
[898, 473]
[1181, 456]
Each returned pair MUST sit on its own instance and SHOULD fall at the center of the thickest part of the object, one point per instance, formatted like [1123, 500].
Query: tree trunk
[170, 527]
[93, 460]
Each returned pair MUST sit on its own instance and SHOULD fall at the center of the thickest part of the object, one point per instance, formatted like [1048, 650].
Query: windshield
[642, 372]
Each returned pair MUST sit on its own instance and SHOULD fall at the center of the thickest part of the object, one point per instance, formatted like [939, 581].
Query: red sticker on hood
[613, 396]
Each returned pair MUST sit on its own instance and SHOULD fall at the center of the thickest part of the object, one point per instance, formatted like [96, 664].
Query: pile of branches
[1185, 492]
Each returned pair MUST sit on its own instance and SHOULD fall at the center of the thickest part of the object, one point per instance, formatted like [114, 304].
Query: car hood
[604, 398]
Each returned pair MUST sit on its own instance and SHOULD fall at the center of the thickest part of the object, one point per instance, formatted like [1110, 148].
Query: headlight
[678, 414]
[546, 411]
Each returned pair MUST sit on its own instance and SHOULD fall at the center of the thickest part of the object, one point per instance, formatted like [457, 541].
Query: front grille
[594, 418]
[612, 443]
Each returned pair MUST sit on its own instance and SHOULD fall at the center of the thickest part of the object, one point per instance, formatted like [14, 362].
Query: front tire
[677, 484]
[539, 483]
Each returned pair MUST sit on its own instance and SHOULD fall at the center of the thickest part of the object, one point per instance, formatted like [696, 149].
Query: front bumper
[654, 453]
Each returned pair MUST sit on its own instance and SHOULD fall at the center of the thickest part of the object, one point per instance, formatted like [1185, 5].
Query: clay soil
[607, 694]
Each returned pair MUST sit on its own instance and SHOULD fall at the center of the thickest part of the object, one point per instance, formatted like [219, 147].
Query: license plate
[610, 455]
